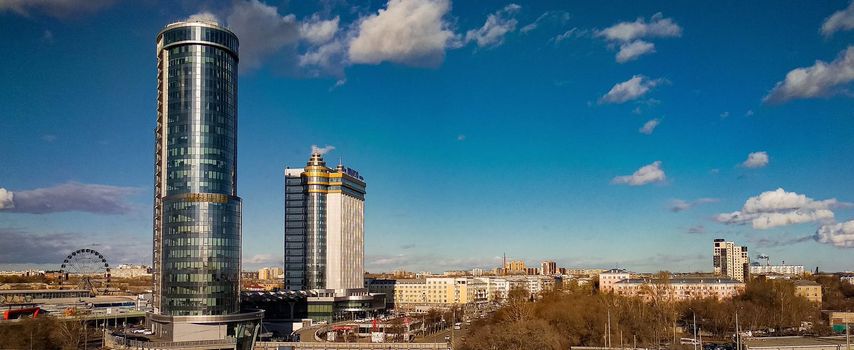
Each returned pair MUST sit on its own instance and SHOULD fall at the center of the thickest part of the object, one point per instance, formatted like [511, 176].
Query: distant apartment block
[582, 272]
[609, 278]
[270, 273]
[130, 271]
[847, 279]
[810, 290]
[730, 260]
[548, 268]
[679, 289]
[422, 294]
[515, 267]
[785, 270]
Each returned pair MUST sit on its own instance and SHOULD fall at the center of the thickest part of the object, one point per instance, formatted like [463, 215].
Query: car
[148, 332]
[457, 327]
[447, 338]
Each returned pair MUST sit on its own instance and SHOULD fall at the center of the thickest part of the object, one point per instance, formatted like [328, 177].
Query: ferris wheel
[89, 268]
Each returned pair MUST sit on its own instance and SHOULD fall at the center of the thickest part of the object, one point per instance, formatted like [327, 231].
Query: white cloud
[72, 196]
[649, 126]
[318, 31]
[461, 137]
[819, 80]
[839, 20]
[566, 35]
[497, 25]
[645, 175]
[411, 32]
[629, 90]
[840, 235]
[756, 160]
[322, 150]
[724, 115]
[780, 208]
[559, 16]
[633, 50]
[262, 31]
[678, 205]
[628, 35]
[658, 26]
[54, 8]
[328, 56]
[204, 17]
[7, 199]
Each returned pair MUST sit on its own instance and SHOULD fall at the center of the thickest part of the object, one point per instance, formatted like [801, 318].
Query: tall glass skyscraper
[197, 213]
[324, 227]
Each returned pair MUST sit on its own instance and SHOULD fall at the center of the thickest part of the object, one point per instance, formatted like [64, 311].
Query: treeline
[44, 332]
[577, 316]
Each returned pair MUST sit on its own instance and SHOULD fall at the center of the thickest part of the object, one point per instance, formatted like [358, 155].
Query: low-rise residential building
[440, 292]
[678, 289]
[847, 279]
[608, 278]
[810, 290]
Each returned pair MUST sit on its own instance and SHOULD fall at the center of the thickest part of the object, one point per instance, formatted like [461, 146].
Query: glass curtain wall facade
[197, 213]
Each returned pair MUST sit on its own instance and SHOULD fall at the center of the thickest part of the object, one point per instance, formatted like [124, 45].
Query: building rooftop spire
[316, 159]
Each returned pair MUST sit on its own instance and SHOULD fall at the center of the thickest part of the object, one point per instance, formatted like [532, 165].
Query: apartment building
[810, 290]
[608, 278]
[679, 289]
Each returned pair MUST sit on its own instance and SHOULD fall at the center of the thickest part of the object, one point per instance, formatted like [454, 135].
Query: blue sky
[595, 134]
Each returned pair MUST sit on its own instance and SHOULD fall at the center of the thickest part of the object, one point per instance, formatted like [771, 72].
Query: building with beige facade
[515, 267]
[810, 290]
[679, 289]
[270, 273]
[730, 260]
[422, 294]
[608, 278]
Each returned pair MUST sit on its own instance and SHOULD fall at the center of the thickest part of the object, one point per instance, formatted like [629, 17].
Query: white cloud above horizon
[839, 21]
[633, 50]
[631, 89]
[645, 175]
[822, 79]
[62, 9]
[649, 126]
[629, 35]
[756, 160]
[678, 205]
[780, 208]
[497, 25]
[409, 32]
[839, 235]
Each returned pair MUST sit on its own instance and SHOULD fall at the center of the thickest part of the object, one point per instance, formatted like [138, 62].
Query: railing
[140, 344]
[350, 346]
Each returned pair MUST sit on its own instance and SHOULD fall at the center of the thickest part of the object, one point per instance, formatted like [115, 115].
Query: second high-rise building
[731, 260]
[324, 227]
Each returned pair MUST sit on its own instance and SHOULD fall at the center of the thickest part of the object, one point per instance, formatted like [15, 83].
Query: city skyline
[550, 131]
